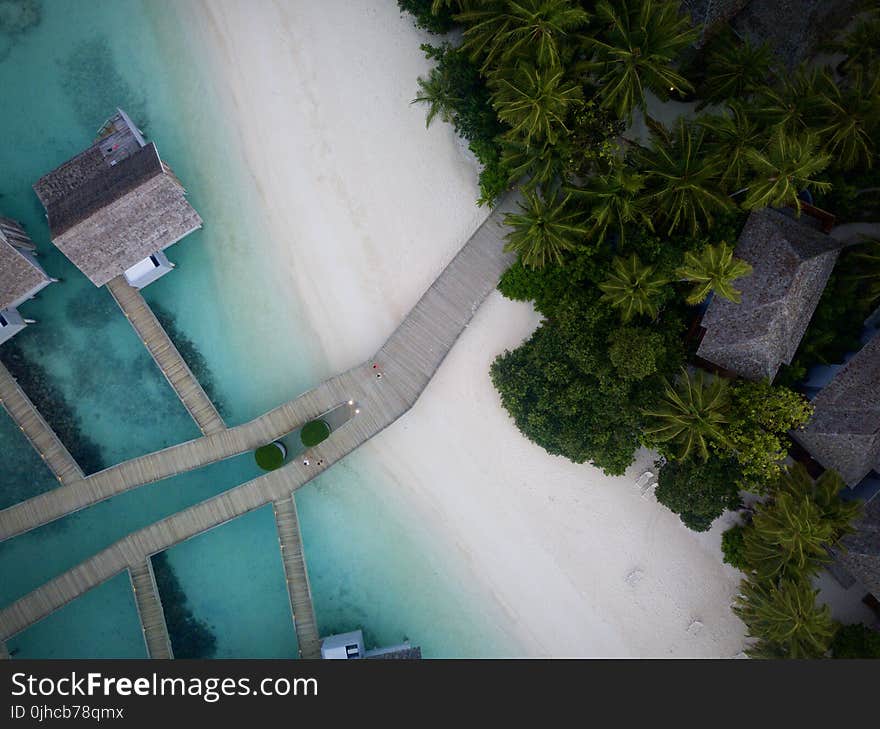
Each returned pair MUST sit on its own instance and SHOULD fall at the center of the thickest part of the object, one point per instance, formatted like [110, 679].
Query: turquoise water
[235, 584]
[371, 564]
[102, 623]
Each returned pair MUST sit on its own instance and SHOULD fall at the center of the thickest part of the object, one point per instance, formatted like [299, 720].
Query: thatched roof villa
[791, 263]
[859, 553]
[844, 432]
[115, 207]
[21, 277]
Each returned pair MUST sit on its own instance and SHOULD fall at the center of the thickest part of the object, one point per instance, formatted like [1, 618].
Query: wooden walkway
[160, 346]
[4, 652]
[149, 607]
[294, 560]
[38, 432]
[407, 360]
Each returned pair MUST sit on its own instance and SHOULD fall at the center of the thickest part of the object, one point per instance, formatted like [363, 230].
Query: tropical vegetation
[626, 226]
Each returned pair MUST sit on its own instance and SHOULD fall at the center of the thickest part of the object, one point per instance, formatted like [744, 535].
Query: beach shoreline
[365, 207]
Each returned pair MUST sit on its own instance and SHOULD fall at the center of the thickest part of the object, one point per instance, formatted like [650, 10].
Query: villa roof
[861, 556]
[844, 432]
[18, 275]
[708, 15]
[115, 204]
[791, 263]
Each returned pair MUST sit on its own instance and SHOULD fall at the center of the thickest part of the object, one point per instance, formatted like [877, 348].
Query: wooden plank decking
[294, 559]
[407, 360]
[4, 652]
[38, 432]
[166, 356]
[149, 607]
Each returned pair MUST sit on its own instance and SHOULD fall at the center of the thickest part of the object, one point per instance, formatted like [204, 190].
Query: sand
[365, 206]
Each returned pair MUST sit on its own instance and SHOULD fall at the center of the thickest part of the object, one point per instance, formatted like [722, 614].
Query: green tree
[691, 415]
[614, 201]
[861, 45]
[435, 17]
[735, 70]
[534, 101]
[502, 32]
[545, 228]
[633, 48]
[733, 547]
[539, 165]
[699, 492]
[761, 415]
[683, 178]
[869, 269]
[796, 104]
[633, 287]
[785, 619]
[788, 165]
[636, 352]
[855, 641]
[730, 137]
[713, 269]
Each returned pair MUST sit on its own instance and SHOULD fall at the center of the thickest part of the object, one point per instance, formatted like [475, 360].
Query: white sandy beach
[365, 207]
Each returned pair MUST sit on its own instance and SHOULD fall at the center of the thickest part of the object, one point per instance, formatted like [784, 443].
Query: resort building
[791, 262]
[348, 646]
[860, 553]
[116, 207]
[844, 432]
[21, 277]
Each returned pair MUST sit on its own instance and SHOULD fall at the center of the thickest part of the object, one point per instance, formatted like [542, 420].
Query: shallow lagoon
[371, 564]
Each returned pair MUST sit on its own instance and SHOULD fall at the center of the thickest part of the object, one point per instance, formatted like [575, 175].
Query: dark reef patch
[190, 637]
[17, 17]
[95, 87]
[191, 354]
[53, 406]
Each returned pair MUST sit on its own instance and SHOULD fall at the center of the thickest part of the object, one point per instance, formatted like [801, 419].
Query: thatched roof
[791, 264]
[861, 557]
[844, 432]
[709, 15]
[18, 275]
[115, 204]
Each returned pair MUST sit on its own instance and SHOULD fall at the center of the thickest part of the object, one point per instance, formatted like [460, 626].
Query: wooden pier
[294, 560]
[407, 361]
[4, 652]
[38, 432]
[149, 606]
[166, 355]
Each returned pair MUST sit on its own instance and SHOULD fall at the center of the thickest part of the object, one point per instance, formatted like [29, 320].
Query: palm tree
[691, 415]
[540, 164]
[683, 178]
[633, 287]
[534, 102]
[824, 492]
[861, 45]
[614, 201]
[788, 538]
[500, 32]
[852, 120]
[797, 104]
[785, 618]
[438, 94]
[787, 166]
[729, 137]
[736, 71]
[713, 269]
[634, 49]
[545, 229]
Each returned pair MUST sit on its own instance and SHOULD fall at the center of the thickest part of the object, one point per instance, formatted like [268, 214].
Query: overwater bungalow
[114, 208]
[21, 277]
[791, 260]
[844, 432]
[349, 646]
